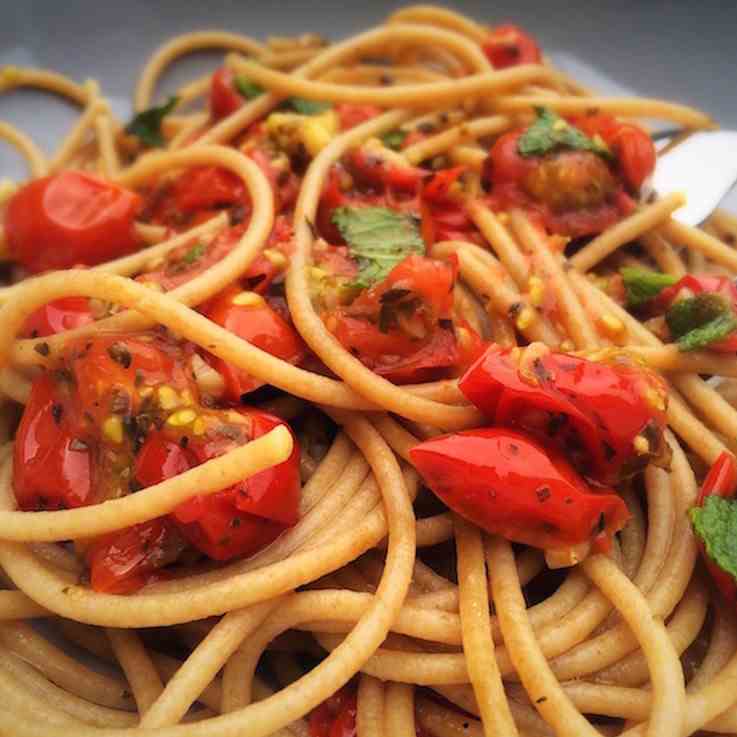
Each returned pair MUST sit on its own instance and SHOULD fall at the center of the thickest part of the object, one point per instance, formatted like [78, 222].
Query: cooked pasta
[358, 389]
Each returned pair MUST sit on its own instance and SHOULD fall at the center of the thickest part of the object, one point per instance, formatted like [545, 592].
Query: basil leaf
[146, 126]
[712, 332]
[248, 89]
[378, 238]
[550, 132]
[715, 523]
[308, 107]
[194, 253]
[394, 139]
[642, 285]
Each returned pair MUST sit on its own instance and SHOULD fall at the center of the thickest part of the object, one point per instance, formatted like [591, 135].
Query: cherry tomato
[352, 115]
[124, 561]
[633, 148]
[593, 411]
[249, 316]
[224, 98]
[444, 215]
[510, 485]
[720, 481]
[508, 45]
[62, 314]
[70, 218]
[241, 519]
[207, 187]
[52, 465]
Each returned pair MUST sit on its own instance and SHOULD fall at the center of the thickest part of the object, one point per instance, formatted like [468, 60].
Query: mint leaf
[712, 332]
[194, 253]
[378, 239]
[146, 126]
[248, 89]
[715, 523]
[550, 132]
[394, 139]
[642, 285]
[308, 107]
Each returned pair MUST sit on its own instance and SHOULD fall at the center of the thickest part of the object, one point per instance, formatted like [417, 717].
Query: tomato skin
[510, 485]
[591, 410]
[261, 326]
[70, 218]
[351, 115]
[207, 187]
[720, 481]
[508, 45]
[52, 467]
[224, 98]
[124, 561]
[237, 521]
[62, 314]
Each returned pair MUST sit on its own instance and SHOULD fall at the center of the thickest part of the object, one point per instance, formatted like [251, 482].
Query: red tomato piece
[207, 187]
[70, 218]
[261, 326]
[62, 314]
[510, 485]
[224, 98]
[720, 481]
[508, 45]
[52, 465]
[124, 561]
[352, 115]
[593, 411]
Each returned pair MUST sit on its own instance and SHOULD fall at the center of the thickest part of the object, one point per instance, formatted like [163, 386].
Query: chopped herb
[146, 126]
[308, 107]
[394, 139]
[642, 285]
[378, 238]
[194, 253]
[717, 329]
[550, 132]
[120, 354]
[248, 89]
[716, 524]
[42, 349]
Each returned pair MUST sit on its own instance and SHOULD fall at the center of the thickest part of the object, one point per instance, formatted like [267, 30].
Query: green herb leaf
[146, 126]
[712, 332]
[642, 285]
[248, 89]
[550, 131]
[394, 139]
[194, 253]
[686, 314]
[308, 107]
[716, 524]
[378, 238]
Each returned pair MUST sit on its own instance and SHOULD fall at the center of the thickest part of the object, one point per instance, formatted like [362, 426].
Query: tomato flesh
[70, 218]
[62, 314]
[508, 45]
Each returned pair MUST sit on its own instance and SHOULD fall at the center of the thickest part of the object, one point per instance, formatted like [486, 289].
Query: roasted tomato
[608, 417]
[62, 314]
[352, 115]
[241, 519]
[335, 717]
[224, 97]
[510, 485]
[52, 463]
[715, 524]
[68, 219]
[508, 45]
[122, 562]
[249, 316]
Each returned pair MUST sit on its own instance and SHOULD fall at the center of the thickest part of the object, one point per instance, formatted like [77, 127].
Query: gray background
[684, 51]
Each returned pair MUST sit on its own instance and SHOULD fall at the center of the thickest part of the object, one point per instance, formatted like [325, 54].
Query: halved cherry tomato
[508, 45]
[124, 561]
[335, 717]
[224, 98]
[444, 215]
[593, 411]
[207, 187]
[632, 146]
[62, 314]
[249, 316]
[720, 481]
[52, 464]
[70, 218]
[510, 485]
[241, 519]
[351, 115]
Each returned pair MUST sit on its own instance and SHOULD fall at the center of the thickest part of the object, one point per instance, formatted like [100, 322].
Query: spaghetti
[241, 343]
